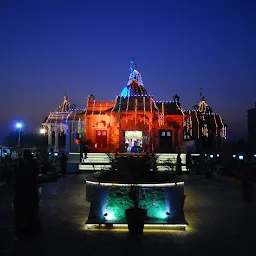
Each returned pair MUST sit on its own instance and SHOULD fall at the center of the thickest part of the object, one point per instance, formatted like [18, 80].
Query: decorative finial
[201, 94]
[133, 66]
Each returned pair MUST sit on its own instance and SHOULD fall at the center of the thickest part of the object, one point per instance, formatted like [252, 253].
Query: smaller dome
[134, 89]
[135, 74]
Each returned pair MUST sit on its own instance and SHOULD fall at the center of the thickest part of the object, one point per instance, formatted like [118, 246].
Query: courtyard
[219, 222]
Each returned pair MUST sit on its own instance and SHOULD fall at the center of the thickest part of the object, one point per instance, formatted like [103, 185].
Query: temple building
[135, 118]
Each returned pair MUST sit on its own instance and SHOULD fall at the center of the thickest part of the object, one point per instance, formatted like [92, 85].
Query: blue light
[56, 154]
[125, 92]
[19, 125]
[241, 157]
[211, 156]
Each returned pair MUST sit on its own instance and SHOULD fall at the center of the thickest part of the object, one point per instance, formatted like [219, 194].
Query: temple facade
[135, 119]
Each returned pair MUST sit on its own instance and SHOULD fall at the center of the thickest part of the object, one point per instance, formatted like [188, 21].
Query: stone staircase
[99, 161]
[162, 157]
[96, 162]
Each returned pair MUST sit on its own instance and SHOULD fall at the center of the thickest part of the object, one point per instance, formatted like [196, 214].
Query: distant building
[135, 119]
[252, 128]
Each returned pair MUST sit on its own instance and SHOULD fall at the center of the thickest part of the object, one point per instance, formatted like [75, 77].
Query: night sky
[85, 47]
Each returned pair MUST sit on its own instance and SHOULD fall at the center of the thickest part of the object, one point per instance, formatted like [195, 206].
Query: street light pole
[19, 138]
[19, 126]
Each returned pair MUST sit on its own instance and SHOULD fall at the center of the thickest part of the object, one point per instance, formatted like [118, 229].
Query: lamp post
[19, 126]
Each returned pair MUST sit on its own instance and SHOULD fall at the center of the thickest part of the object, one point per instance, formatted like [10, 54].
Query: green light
[152, 199]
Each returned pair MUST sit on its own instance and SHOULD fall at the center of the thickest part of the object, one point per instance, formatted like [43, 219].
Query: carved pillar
[49, 134]
[68, 138]
[56, 144]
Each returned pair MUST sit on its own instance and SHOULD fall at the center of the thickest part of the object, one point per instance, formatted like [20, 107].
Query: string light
[136, 106]
[127, 105]
[183, 115]
[93, 106]
[198, 129]
[119, 110]
[144, 108]
[162, 113]
[189, 126]
[73, 120]
[151, 110]
[79, 126]
[159, 121]
[100, 109]
[205, 131]
[223, 130]
[113, 109]
[216, 125]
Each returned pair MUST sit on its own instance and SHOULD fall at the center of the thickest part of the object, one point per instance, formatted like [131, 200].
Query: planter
[135, 219]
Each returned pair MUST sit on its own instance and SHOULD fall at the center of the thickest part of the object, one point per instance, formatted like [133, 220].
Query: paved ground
[220, 222]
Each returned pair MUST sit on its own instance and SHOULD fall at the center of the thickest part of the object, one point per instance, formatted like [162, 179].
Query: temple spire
[133, 66]
[201, 94]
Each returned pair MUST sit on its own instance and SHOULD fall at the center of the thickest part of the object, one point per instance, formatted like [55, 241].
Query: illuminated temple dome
[135, 84]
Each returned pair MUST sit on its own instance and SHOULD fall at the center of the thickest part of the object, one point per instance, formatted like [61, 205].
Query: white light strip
[145, 225]
[104, 184]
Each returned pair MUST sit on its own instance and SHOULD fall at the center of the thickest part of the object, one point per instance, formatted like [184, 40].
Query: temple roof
[147, 103]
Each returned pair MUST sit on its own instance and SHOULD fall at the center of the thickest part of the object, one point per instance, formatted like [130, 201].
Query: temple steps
[99, 161]
[96, 162]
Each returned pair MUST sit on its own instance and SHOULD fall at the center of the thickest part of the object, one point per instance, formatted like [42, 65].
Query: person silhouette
[63, 163]
[26, 216]
[178, 164]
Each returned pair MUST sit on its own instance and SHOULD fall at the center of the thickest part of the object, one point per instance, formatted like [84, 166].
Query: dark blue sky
[85, 46]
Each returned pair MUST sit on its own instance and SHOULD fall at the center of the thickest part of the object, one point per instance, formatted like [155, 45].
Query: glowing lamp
[241, 157]
[234, 156]
[211, 156]
[42, 131]
[109, 216]
[19, 125]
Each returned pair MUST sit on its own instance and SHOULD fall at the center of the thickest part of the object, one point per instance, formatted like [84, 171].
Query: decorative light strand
[127, 105]
[73, 120]
[113, 109]
[86, 107]
[119, 110]
[79, 126]
[216, 125]
[205, 131]
[159, 116]
[181, 110]
[100, 109]
[198, 128]
[93, 107]
[151, 110]
[144, 109]
[55, 126]
[162, 113]
[189, 126]
[136, 107]
[223, 130]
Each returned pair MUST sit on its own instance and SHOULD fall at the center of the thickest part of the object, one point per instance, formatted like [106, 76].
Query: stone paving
[219, 222]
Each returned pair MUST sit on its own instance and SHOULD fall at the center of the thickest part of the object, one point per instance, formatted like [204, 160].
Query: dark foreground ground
[219, 222]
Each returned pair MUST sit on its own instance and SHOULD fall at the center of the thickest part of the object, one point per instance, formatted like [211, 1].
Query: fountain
[132, 184]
